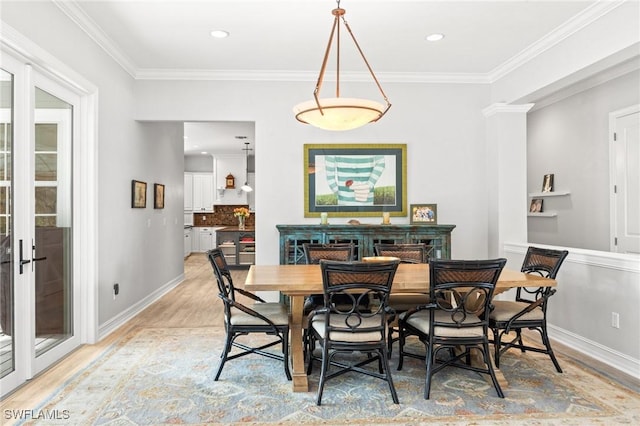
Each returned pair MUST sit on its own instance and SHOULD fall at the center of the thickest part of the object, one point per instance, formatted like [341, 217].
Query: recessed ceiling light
[219, 34]
[204, 153]
[435, 37]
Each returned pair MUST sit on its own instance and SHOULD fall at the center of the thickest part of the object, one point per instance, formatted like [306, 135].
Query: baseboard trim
[125, 316]
[598, 352]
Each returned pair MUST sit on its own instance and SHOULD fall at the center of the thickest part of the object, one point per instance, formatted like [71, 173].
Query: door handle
[23, 261]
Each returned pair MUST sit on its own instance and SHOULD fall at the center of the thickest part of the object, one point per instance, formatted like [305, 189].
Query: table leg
[300, 382]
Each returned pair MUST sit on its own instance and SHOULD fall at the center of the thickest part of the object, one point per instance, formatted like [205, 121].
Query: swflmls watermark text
[36, 414]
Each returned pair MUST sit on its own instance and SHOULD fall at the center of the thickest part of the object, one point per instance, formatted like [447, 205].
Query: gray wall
[569, 138]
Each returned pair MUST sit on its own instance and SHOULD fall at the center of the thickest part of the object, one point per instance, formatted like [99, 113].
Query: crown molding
[500, 107]
[88, 25]
[573, 25]
[249, 75]
[581, 20]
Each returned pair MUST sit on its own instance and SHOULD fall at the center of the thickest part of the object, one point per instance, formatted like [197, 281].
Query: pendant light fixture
[340, 113]
[246, 187]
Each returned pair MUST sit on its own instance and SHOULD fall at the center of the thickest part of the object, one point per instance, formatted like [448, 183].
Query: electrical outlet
[116, 290]
[615, 320]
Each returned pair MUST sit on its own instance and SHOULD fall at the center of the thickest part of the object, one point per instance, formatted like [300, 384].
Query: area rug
[165, 376]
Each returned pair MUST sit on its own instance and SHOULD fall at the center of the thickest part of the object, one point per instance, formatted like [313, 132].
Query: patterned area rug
[165, 376]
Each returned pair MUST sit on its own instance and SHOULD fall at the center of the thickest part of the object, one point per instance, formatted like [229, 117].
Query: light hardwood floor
[194, 303]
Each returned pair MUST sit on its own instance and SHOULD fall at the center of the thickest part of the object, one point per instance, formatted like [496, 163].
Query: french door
[39, 304]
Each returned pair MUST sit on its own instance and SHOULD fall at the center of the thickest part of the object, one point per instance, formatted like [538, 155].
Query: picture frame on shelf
[424, 214]
[158, 199]
[536, 205]
[547, 183]
[347, 180]
[138, 194]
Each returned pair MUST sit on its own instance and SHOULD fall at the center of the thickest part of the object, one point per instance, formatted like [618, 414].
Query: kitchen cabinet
[204, 239]
[188, 191]
[238, 246]
[188, 238]
[203, 192]
[364, 237]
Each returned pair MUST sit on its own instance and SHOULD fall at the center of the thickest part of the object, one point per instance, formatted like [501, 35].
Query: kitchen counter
[235, 229]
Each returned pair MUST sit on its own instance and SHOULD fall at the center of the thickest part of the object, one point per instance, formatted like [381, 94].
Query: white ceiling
[286, 39]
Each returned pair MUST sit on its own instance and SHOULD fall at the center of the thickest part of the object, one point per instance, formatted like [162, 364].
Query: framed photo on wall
[347, 180]
[138, 194]
[424, 213]
[158, 199]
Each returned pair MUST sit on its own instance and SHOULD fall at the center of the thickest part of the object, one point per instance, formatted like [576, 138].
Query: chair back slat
[463, 290]
[542, 262]
[222, 273]
[347, 284]
[314, 253]
[407, 253]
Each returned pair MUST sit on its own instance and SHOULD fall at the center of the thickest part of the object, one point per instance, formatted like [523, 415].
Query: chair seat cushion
[276, 312]
[504, 310]
[401, 302]
[420, 321]
[338, 320]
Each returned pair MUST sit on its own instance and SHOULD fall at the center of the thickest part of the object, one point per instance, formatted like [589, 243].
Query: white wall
[570, 139]
[198, 163]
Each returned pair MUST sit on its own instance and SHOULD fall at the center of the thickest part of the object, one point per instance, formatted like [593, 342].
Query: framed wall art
[158, 199]
[424, 213]
[347, 180]
[138, 194]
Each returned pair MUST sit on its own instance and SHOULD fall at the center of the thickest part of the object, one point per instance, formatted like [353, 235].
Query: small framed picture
[138, 194]
[424, 213]
[158, 200]
[536, 205]
[547, 183]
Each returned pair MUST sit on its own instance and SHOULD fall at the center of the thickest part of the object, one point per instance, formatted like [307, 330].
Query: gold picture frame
[138, 194]
[331, 185]
[158, 199]
[424, 213]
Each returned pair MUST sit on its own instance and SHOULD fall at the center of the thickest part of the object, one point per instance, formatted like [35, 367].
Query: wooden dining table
[300, 281]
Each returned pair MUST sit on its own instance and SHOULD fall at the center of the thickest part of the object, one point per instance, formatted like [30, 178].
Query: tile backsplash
[222, 216]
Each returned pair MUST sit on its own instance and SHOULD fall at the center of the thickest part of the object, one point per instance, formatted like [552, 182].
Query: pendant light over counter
[340, 113]
[246, 187]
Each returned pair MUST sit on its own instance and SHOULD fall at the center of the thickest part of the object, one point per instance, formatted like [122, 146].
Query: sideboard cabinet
[292, 237]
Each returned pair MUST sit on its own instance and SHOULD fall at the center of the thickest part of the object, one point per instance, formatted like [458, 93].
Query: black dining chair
[529, 309]
[347, 328]
[460, 292]
[407, 253]
[242, 320]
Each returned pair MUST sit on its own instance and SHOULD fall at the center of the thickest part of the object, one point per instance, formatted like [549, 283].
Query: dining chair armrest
[249, 311]
[250, 295]
[532, 305]
[418, 309]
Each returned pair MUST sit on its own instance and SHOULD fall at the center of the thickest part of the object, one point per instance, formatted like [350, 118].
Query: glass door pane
[7, 335]
[51, 248]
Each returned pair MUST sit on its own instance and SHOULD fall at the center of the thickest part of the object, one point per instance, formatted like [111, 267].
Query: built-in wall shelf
[548, 194]
[543, 214]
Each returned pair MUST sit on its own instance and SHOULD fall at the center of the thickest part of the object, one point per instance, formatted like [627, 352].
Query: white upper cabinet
[188, 191]
[223, 166]
[203, 192]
